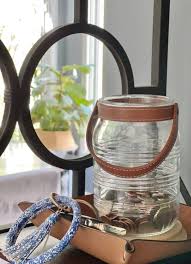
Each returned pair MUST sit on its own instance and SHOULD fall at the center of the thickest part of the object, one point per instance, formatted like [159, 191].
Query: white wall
[179, 77]
[131, 22]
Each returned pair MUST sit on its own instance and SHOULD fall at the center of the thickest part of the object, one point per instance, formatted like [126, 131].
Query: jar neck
[137, 101]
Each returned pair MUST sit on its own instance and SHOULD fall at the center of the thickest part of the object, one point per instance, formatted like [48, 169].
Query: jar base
[174, 233]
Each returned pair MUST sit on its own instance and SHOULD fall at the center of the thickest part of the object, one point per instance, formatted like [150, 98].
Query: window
[94, 51]
[19, 34]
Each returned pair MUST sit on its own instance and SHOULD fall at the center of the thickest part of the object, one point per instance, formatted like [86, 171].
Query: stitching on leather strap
[135, 109]
[134, 114]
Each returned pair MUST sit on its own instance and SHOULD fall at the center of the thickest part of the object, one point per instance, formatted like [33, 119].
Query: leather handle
[132, 172]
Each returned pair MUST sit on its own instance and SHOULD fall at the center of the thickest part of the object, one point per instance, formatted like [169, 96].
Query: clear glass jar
[147, 204]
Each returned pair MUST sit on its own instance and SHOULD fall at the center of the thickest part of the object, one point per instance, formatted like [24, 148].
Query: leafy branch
[60, 99]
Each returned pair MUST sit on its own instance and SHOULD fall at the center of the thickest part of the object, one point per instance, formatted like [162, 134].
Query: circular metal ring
[28, 69]
[11, 97]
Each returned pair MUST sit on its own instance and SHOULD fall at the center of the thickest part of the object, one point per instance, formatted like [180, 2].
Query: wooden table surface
[75, 256]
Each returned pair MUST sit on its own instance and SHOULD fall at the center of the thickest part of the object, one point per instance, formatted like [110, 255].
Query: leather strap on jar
[133, 114]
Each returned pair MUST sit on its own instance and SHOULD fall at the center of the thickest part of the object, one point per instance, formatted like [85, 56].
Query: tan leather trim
[132, 171]
[135, 114]
[150, 251]
[87, 208]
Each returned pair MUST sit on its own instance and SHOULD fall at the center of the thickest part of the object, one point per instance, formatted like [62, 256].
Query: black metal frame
[159, 50]
[26, 74]
[80, 25]
[38, 50]
[11, 97]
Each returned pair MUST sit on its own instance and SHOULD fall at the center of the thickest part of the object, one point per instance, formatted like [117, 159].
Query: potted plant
[59, 103]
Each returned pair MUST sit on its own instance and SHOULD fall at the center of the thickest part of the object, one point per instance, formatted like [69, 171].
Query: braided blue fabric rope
[23, 249]
[17, 254]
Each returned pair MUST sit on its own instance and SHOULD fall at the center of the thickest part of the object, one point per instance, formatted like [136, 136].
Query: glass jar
[135, 145]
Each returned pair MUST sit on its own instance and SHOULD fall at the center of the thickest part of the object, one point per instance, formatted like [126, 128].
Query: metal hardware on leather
[131, 115]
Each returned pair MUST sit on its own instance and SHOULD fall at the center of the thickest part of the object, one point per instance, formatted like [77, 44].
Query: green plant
[59, 99]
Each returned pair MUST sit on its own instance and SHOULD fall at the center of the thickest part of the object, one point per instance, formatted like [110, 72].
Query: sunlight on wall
[22, 23]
